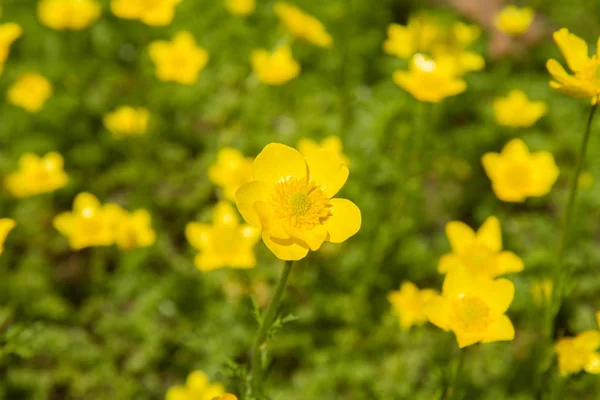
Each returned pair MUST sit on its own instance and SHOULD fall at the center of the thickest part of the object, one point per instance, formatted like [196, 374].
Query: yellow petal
[500, 329]
[197, 381]
[85, 201]
[465, 340]
[557, 71]
[344, 222]
[490, 234]
[573, 48]
[63, 222]
[327, 170]
[437, 311]
[459, 235]
[492, 164]
[285, 249]
[268, 222]
[497, 294]
[458, 281]
[177, 393]
[208, 261]
[592, 365]
[315, 237]
[247, 195]
[224, 214]
[278, 162]
[515, 149]
[448, 262]
[508, 262]
[588, 340]
[198, 235]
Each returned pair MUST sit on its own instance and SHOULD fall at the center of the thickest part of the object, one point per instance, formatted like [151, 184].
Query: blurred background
[102, 322]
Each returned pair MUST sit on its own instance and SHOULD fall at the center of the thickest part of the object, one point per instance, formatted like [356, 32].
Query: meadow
[171, 227]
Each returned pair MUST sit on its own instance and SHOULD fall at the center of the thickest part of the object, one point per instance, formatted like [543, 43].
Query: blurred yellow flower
[541, 291]
[68, 14]
[226, 396]
[585, 82]
[514, 20]
[473, 308]
[418, 36]
[409, 303]
[9, 32]
[37, 175]
[180, 60]
[127, 121]
[89, 224]
[30, 92]
[197, 387]
[150, 12]
[230, 171]
[481, 253]
[225, 243]
[332, 143]
[6, 225]
[240, 7]
[517, 111]
[275, 68]
[517, 174]
[302, 25]
[134, 229]
[291, 201]
[579, 353]
[429, 80]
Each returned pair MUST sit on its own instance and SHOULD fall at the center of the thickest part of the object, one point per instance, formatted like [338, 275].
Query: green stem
[452, 391]
[267, 321]
[560, 276]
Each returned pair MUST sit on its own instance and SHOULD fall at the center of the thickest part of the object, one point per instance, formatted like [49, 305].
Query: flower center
[519, 176]
[479, 259]
[470, 314]
[302, 204]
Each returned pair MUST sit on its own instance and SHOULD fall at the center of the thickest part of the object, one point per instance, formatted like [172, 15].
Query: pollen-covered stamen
[470, 314]
[302, 204]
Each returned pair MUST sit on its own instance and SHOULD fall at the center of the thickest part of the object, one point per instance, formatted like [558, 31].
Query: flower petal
[458, 281]
[508, 262]
[285, 249]
[85, 201]
[278, 162]
[498, 294]
[592, 365]
[516, 149]
[459, 235]
[344, 222]
[198, 235]
[269, 223]
[327, 170]
[490, 234]
[224, 214]
[573, 48]
[500, 329]
[448, 262]
[465, 340]
[437, 311]
[247, 195]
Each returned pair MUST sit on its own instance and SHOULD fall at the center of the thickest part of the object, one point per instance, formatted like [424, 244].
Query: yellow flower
[89, 224]
[579, 352]
[197, 387]
[133, 229]
[150, 12]
[225, 243]
[275, 68]
[9, 32]
[409, 303]
[240, 7]
[480, 253]
[429, 80]
[516, 110]
[514, 20]
[37, 175]
[473, 308]
[230, 171]
[291, 200]
[30, 92]
[419, 35]
[585, 82]
[541, 291]
[517, 174]
[127, 121]
[179, 60]
[332, 143]
[68, 14]
[302, 25]
[6, 225]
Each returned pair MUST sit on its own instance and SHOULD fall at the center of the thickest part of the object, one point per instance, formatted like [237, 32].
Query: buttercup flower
[133, 229]
[37, 175]
[68, 14]
[150, 12]
[127, 121]
[473, 308]
[481, 253]
[541, 291]
[291, 201]
[585, 82]
[303, 25]
[230, 171]
[332, 143]
[517, 174]
[30, 92]
[514, 20]
[579, 353]
[9, 32]
[429, 80]
[89, 224]
[240, 7]
[225, 243]
[275, 68]
[6, 225]
[418, 36]
[517, 111]
[197, 387]
[409, 303]
[179, 60]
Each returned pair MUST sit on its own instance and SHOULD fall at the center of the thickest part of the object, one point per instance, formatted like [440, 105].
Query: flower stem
[453, 389]
[263, 330]
[560, 276]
